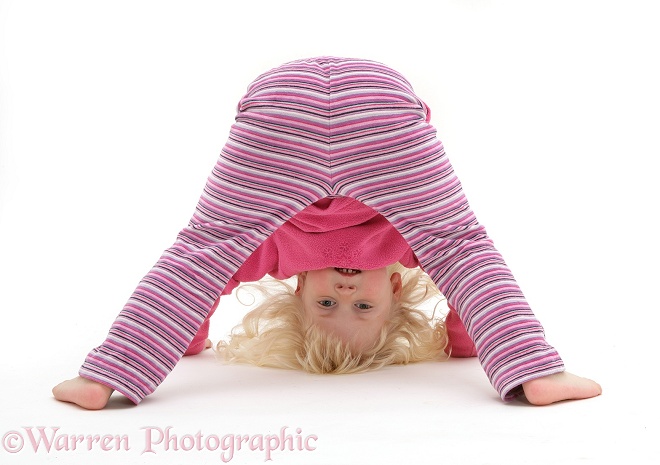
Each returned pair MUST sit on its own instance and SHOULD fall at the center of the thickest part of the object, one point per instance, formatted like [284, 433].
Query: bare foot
[558, 387]
[83, 392]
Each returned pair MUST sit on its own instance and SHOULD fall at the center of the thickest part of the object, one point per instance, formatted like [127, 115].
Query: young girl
[332, 172]
[343, 321]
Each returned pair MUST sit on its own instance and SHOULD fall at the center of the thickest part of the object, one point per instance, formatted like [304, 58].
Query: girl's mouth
[347, 271]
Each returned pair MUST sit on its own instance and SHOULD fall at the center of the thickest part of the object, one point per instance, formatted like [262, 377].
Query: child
[344, 321]
[332, 172]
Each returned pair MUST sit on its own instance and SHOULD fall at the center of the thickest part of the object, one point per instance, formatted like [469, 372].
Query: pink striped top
[330, 231]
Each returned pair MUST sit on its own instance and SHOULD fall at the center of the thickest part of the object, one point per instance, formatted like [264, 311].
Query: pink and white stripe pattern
[305, 131]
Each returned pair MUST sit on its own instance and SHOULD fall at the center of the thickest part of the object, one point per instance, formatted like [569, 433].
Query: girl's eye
[363, 306]
[326, 303]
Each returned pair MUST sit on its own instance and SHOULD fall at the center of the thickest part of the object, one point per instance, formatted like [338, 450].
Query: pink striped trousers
[304, 131]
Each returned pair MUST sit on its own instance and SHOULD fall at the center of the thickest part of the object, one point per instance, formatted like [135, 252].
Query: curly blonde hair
[277, 332]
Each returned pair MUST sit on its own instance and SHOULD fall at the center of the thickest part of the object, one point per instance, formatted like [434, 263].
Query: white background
[112, 115]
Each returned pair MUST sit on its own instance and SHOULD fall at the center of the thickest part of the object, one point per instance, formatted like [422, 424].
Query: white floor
[111, 117]
[426, 413]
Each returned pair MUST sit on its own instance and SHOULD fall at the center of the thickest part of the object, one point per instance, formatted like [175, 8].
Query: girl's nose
[344, 288]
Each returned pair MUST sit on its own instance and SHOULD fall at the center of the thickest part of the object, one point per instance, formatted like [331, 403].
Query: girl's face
[351, 304]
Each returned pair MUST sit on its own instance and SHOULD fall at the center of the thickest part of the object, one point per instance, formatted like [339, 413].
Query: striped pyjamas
[307, 130]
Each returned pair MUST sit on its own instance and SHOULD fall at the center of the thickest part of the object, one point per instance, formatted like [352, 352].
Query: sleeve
[460, 345]
[417, 191]
[198, 343]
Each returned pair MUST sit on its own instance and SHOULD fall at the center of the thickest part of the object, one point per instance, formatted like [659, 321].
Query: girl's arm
[460, 344]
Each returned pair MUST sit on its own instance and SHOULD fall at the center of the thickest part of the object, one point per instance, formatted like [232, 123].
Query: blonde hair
[277, 333]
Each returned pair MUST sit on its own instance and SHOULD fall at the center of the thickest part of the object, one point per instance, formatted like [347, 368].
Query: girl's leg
[419, 194]
[410, 181]
[433, 215]
[249, 194]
